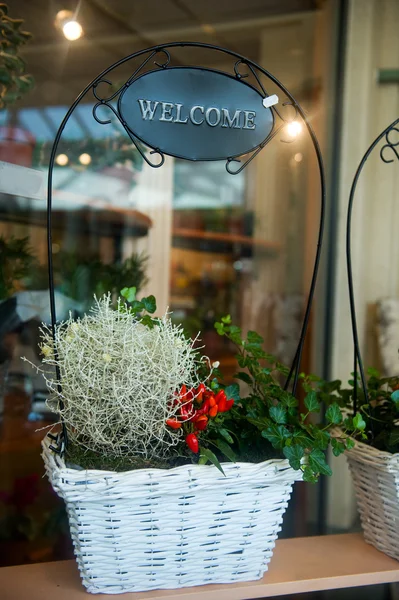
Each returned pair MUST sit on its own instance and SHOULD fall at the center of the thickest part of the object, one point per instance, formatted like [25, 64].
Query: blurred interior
[204, 242]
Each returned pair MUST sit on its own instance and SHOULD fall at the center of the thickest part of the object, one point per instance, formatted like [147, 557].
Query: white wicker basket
[157, 529]
[376, 478]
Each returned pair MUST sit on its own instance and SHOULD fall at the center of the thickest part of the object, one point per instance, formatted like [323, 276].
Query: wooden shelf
[87, 221]
[216, 239]
[299, 565]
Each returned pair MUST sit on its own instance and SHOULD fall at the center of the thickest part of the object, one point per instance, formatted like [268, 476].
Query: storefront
[204, 242]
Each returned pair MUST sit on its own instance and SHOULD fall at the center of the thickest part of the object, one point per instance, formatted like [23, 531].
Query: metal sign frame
[158, 57]
[388, 147]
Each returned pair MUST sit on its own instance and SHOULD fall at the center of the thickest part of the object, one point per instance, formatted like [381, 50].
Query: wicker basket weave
[158, 529]
[376, 478]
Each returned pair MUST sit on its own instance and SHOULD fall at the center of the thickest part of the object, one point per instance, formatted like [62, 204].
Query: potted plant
[170, 477]
[374, 458]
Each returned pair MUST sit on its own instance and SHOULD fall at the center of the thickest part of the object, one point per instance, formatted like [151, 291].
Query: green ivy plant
[268, 420]
[377, 418]
[14, 81]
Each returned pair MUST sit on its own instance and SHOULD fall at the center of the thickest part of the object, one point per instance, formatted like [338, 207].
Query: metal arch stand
[254, 69]
[388, 146]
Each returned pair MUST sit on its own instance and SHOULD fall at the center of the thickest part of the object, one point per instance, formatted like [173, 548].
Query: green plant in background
[377, 420]
[14, 81]
[81, 277]
[16, 263]
[22, 514]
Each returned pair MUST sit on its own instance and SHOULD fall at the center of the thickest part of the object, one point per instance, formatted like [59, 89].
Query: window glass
[204, 242]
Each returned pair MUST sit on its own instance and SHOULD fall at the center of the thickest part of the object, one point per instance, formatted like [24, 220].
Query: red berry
[192, 442]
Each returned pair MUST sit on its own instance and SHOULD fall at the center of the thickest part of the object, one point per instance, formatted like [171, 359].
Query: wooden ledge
[299, 565]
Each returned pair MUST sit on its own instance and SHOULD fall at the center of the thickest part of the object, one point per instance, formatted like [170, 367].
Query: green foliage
[268, 421]
[16, 262]
[333, 414]
[80, 277]
[14, 81]
[376, 421]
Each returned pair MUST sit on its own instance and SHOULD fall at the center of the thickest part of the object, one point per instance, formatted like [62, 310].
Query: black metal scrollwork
[276, 129]
[107, 102]
[390, 146]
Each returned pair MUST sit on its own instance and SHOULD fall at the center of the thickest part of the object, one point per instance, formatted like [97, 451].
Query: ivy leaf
[309, 476]
[136, 306]
[219, 328]
[233, 392]
[294, 455]
[333, 414]
[207, 455]
[302, 438]
[243, 361]
[276, 435]
[318, 463]
[337, 447]
[350, 443]
[322, 438]
[226, 320]
[244, 377]
[278, 414]
[129, 293]
[226, 450]
[148, 321]
[289, 401]
[311, 402]
[358, 422]
[254, 338]
[149, 304]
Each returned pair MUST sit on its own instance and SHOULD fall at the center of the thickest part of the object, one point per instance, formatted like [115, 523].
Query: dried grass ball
[118, 379]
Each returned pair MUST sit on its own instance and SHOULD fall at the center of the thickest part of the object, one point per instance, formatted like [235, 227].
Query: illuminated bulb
[62, 160]
[72, 30]
[85, 159]
[293, 129]
[298, 157]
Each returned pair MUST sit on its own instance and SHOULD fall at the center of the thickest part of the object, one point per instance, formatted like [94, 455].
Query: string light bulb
[62, 160]
[293, 129]
[72, 30]
[66, 21]
[85, 159]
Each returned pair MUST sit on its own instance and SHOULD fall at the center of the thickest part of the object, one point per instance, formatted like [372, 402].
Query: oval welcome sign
[195, 113]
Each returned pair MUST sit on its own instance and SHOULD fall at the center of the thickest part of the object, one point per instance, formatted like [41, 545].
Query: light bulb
[85, 159]
[72, 30]
[62, 160]
[293, 129]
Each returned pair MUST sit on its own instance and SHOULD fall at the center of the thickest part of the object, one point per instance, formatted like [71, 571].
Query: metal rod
[357, 354]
